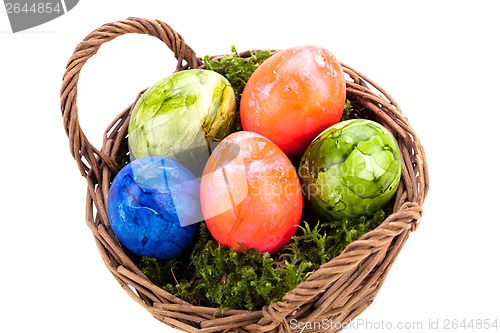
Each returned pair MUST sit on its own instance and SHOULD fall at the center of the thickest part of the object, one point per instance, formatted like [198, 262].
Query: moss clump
[347, 110]
[237, 71]
[217, 276]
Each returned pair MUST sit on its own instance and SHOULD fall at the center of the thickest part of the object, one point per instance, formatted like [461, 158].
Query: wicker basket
[339, 291]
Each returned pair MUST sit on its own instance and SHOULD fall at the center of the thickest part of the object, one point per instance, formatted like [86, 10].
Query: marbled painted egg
[153, 207]
[293, 96]
[180, 114]
[353, 168]
[250, 193]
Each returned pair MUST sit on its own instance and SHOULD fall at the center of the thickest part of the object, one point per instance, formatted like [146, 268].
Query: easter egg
[293, 96]
[178, 116]
[352, 168]
[250, 193]
[153, 207]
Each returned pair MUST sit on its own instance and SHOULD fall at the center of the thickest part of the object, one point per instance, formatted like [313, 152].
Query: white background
[438, 59]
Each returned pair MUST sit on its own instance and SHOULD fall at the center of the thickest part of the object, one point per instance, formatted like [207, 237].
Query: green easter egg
[352, 168]
[180, 115]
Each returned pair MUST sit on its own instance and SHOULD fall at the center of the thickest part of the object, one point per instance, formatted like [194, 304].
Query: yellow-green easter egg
[180, 115]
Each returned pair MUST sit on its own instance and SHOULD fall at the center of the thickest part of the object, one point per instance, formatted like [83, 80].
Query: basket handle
[80, 147]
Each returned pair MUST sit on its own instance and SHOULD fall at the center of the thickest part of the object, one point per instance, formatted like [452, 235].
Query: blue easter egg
[154, 207]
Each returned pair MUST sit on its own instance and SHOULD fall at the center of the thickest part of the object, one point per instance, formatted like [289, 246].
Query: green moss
[216, 276]
[347, 110]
